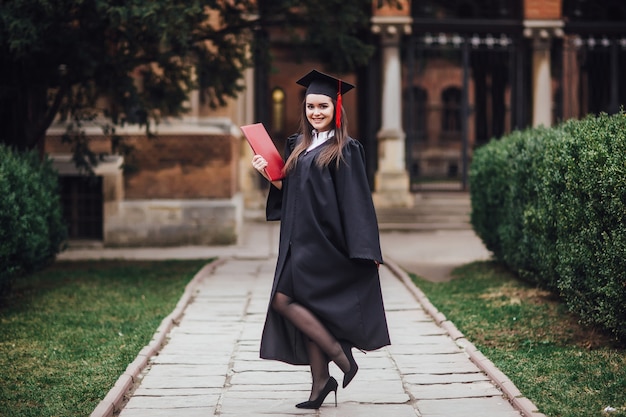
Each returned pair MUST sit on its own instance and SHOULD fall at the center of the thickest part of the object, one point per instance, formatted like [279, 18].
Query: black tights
[322, 346]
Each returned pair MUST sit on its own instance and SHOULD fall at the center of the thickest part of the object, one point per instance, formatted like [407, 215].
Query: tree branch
[45, 122]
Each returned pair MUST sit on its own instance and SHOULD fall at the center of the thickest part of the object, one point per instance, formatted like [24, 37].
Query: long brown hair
[331, 152]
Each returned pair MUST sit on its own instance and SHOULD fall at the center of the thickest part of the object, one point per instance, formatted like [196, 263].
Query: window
[278, 111]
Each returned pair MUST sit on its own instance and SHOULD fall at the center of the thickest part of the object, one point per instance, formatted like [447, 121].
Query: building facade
[447, 77]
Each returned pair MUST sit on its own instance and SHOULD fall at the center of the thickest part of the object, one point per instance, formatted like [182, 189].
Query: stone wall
[182, 167]
[172, 166]
[174, 222]
[175, 189]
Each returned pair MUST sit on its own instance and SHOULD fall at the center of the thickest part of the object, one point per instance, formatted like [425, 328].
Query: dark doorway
[82, 201]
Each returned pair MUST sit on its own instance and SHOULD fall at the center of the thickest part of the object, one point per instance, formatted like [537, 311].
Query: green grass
[565, 369]
[67, 333]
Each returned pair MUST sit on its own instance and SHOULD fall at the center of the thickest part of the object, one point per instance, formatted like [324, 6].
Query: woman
[326, 296]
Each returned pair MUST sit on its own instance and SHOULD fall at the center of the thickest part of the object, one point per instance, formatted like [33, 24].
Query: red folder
[262, 144]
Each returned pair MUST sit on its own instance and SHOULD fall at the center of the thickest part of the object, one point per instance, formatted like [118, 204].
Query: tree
[135, 61]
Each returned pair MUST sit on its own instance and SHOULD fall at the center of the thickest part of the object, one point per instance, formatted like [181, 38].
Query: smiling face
[319, 110]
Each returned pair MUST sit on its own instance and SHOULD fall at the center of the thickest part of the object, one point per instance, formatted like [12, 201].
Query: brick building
[446, 78]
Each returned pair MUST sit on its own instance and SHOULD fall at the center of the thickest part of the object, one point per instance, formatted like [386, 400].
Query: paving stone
[379, 392]
[272, 366]
[406, 336]
[175, 371]
[206, 345]
[427, 379]
[424, 349]
[184, 382]
[368, 410]
[251, 333]
[375, 363]
[198, 341]
[422, 357]
[269, 406]
[455, 390]
[269, 414]
[252, 365]
[180, 412]
[270, 378]
[371, 375]
[416, 328]
[206, 326]
[251, 353]
[467, 407]
[287, 385]
[407, 366]
[268, 393]
[176, 392]
[179, 358]
[173, 402]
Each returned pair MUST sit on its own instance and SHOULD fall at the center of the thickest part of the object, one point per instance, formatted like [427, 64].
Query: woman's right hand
[259, 163]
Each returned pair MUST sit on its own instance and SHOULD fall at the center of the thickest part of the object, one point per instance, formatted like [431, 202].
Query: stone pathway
[210, 363]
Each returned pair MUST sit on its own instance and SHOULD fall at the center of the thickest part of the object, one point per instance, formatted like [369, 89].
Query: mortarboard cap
[319, 83]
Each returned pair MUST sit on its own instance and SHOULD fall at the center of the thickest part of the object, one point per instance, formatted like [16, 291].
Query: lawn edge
[114, 399]
[508, 388]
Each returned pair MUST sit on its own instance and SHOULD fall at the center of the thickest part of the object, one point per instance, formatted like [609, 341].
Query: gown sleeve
[356, 208]
[274, 204]
[273, 207]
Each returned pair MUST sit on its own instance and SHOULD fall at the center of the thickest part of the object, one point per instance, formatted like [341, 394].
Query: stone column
[249, 182]
[542, 32]
[391, 182]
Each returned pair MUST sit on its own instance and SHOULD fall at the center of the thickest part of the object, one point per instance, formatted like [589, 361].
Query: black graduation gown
[329, 238]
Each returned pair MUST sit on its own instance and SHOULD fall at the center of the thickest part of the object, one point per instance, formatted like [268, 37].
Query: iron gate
[460, 90]
[593, 74]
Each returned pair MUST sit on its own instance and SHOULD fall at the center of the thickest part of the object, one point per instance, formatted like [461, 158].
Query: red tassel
[338, 108]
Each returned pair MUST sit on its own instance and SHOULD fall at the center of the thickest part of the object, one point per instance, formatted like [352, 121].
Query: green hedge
[31, 227]
[550, 203]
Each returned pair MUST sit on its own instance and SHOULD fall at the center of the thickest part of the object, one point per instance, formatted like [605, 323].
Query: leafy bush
[31, 226]
[592, 234]
[551, 205]
[513, 184]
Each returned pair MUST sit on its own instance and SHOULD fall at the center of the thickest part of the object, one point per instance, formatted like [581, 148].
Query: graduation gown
[329, 239]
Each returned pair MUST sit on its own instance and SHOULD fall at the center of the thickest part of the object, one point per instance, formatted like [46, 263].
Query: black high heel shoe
[331, 386]
[349, 376]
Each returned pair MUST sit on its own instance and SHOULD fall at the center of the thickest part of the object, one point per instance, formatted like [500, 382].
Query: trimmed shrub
[508, 212]
[489, 179]
[551, 205]
[31, 227]
[592, 227]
